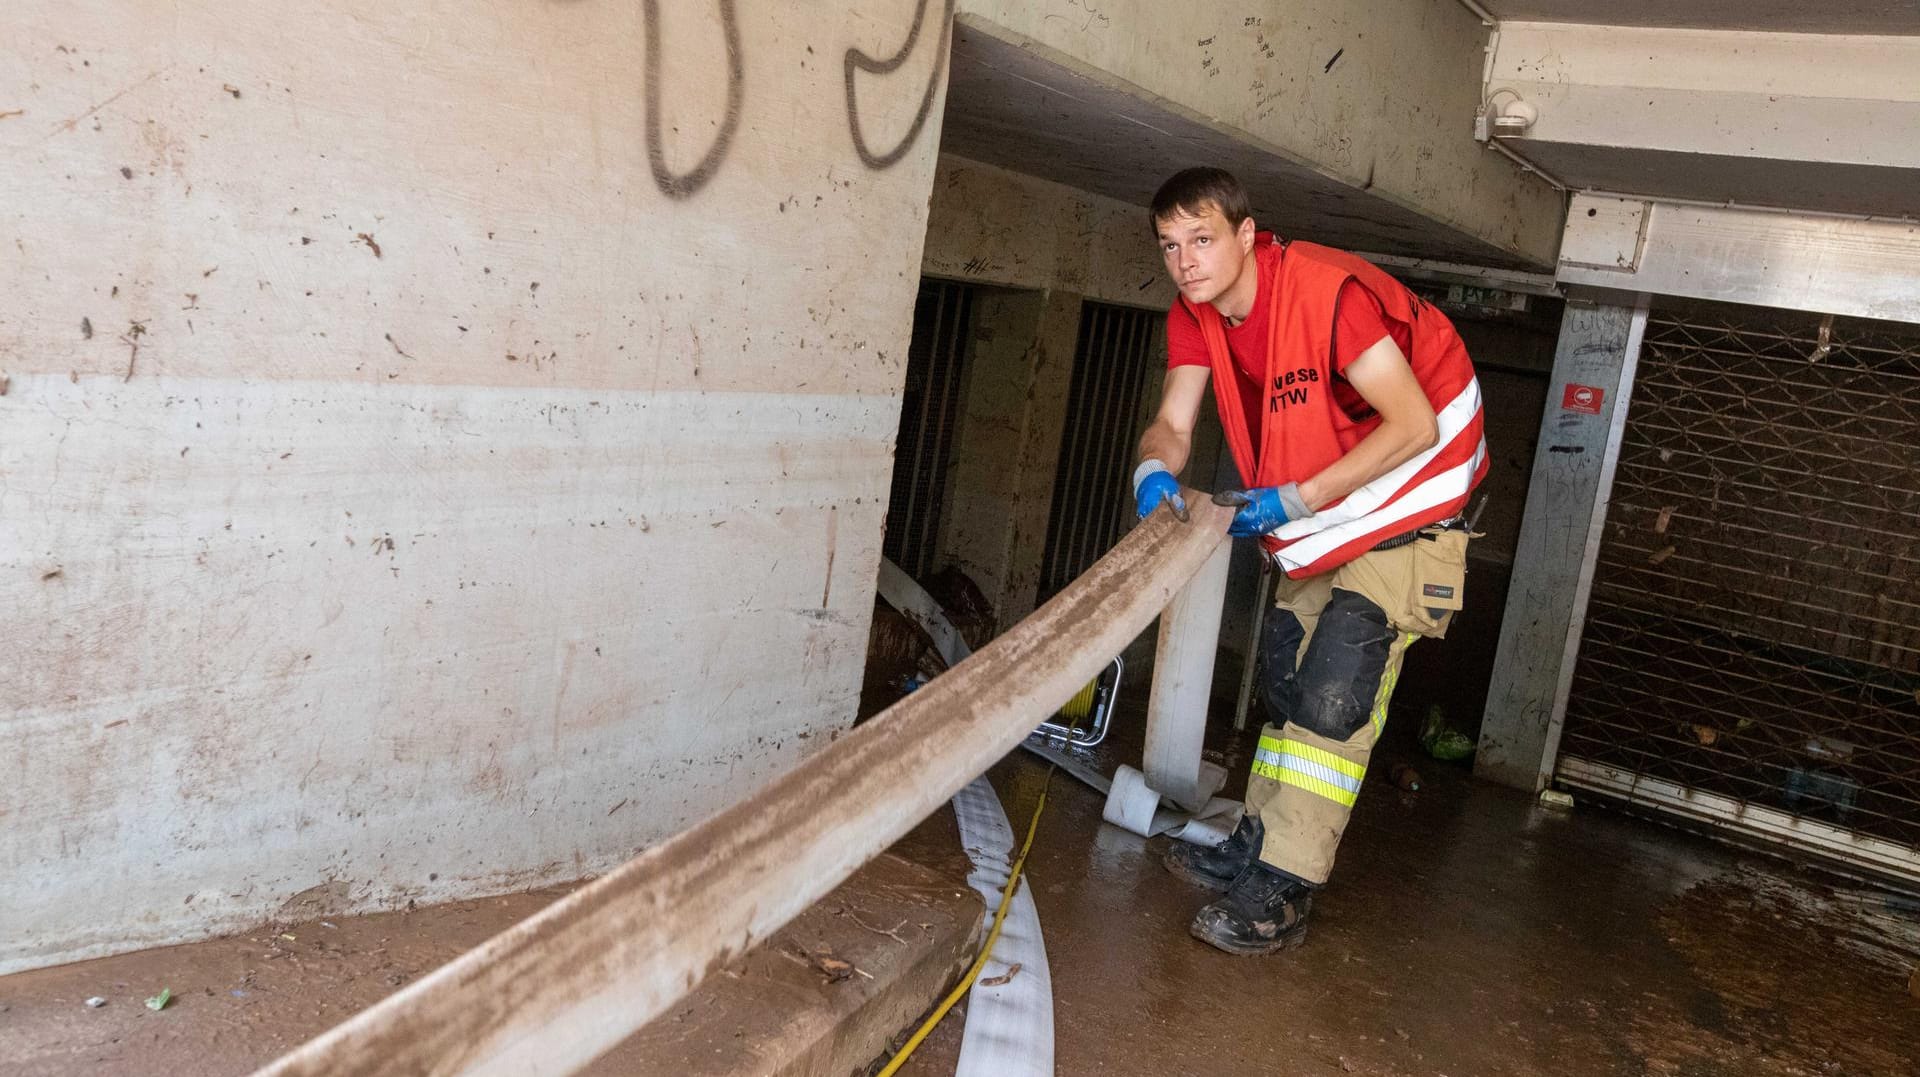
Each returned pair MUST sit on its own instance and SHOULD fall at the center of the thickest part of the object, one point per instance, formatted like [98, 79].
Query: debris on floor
[1556, 798]
[1441, 740]
[1404, 776]
[996, 981]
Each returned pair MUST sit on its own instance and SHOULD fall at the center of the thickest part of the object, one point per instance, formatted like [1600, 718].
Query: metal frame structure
[1733, 561]
[1105, 689]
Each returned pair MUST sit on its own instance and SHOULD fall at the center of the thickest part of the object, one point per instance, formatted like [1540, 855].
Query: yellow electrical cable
[999, 917]
[1081, 704]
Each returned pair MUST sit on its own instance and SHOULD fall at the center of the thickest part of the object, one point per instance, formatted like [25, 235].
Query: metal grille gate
[1751, 654]
[1090, 511]
[929, 405]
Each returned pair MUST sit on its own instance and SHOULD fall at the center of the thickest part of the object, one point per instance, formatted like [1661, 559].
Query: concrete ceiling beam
[1812, 121]
[1620, 247]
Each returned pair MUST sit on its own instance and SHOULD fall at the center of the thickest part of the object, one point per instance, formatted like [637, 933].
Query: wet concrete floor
[1467, 931]
[820, 996]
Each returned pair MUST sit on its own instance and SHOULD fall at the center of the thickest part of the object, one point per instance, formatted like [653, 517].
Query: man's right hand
[1152, 484]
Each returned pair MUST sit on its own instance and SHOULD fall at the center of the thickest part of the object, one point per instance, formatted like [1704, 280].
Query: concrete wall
[988, 225]
[441, 451]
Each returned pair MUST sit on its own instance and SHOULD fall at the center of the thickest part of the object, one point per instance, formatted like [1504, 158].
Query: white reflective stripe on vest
[1360, 514]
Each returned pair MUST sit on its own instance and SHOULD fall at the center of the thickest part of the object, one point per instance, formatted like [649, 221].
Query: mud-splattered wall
[992, 226]
[441, 450]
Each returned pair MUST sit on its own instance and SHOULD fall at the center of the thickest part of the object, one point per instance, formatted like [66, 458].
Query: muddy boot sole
[1289, 939]
[1180, 869]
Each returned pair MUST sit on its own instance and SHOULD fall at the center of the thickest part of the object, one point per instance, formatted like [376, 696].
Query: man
[1353, 415]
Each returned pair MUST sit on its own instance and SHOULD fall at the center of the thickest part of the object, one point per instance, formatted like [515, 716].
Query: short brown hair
[1192, 190]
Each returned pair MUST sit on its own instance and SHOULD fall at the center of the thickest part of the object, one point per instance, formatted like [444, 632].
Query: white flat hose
[905, 595]
[1133, 805]
[1171, 767]
[1009, 1031]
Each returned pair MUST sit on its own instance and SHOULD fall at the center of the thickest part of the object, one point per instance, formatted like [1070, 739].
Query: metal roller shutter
[1751, 655]
[929, 407]
[1090, 511]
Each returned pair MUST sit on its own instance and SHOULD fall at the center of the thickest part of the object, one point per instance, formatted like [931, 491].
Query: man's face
[1203, 253]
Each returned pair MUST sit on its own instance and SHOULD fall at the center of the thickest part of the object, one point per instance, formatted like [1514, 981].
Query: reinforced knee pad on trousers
[1279, 645]
[1336, 685]
[1331, 710]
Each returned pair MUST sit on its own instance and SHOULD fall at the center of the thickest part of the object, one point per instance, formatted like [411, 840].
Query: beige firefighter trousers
[1332, 699]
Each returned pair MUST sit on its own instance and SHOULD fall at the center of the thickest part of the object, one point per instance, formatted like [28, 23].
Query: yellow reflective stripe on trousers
[1306, 767]
[1289, 746]
[1389, 680]
[1305, 781]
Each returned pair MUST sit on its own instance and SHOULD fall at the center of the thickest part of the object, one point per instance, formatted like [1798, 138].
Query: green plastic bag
[1442, 741]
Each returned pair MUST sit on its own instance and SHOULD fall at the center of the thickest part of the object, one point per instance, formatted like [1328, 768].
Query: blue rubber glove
[1264, 508]
[1152, 484]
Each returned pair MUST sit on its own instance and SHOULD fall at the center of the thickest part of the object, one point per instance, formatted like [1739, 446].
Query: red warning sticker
[1584, 398]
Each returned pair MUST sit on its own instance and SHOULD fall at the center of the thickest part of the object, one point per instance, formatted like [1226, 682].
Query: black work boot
[1215, 867]
[1263, 911]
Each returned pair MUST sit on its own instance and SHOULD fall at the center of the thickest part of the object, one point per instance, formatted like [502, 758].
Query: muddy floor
[233, 1003]
[1466, 932]
[1469, 932]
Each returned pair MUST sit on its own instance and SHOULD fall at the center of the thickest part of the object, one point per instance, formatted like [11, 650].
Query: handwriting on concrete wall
[680, 185]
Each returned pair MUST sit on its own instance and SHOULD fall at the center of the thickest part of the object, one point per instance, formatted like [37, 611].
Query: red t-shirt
[1361, 323]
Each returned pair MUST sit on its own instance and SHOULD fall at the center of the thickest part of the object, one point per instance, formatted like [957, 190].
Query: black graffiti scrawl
[860, 60]
[681, 185]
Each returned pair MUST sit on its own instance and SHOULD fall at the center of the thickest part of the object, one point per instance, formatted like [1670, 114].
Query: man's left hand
[1264, 508]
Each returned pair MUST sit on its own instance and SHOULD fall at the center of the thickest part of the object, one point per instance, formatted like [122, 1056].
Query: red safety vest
[1303, 430]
